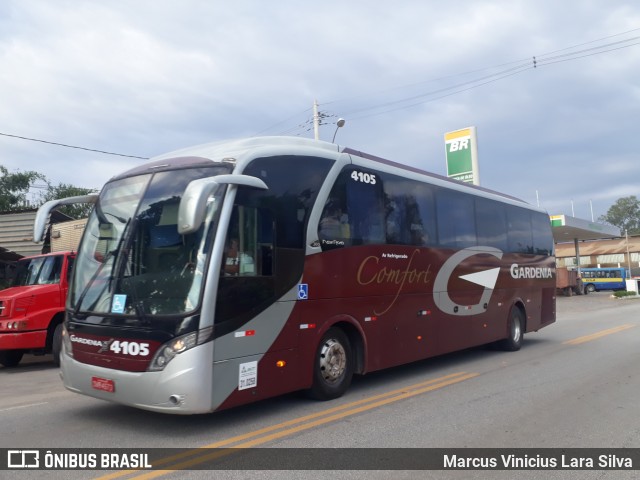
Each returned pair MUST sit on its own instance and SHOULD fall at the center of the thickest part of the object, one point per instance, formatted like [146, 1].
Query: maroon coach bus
[227, 273]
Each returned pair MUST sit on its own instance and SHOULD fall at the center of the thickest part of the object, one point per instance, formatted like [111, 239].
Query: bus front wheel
[333, 366]
[590, 288]
[516, 331]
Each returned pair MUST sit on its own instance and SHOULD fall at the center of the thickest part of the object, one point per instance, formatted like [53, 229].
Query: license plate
[103, 384]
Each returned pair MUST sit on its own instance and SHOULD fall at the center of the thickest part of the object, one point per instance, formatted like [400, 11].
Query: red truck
[32, 308]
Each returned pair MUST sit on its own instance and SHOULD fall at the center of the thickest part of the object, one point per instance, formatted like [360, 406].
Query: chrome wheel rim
[516, 329]
[333, 361]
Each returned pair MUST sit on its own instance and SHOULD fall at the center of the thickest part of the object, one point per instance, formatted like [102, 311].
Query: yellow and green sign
[462, 155]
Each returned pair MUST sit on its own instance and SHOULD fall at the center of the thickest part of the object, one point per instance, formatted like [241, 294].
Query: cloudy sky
[145, 77]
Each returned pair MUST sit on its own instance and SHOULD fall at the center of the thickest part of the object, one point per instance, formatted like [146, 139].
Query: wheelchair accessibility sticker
[303, 291]
[119, 301]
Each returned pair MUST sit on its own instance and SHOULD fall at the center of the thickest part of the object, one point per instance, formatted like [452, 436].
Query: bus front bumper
[183, 387]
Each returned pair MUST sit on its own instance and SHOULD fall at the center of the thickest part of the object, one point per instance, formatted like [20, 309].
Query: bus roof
[236, 150]
[429, 174]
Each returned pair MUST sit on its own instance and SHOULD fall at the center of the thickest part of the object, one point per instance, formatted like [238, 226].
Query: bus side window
[249, 245]
[421, 215]
[335, 228]
[542, 239]
[456, 219]
[520, 235]
[248, 271]
[354, 213]
[334, 222]
[491, 220]
[409, 210]
[365, 207]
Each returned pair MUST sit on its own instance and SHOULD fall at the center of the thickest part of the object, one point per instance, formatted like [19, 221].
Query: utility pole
[626, 234]
[316, 121]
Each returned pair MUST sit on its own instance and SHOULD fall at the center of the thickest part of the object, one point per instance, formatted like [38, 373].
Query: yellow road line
[245, 436]
[594, 336]
[290, 427]
[267, 438]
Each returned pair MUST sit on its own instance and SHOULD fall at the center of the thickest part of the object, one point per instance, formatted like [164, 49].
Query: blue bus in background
[596, 279]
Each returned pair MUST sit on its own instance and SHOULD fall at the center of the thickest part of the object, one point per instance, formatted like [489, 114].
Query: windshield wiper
[107, 257]
[110, 254]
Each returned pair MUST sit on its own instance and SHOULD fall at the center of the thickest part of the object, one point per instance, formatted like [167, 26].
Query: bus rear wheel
[590, 288]
[333, 366]
[516, 331]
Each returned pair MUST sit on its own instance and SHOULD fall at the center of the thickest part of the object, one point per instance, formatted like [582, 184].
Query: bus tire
[515, 328]
[590, 288]
[10, 358]
[56, 344]
[333, 366]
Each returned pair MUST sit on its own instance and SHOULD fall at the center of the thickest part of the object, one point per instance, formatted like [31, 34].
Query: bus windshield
[132, 260]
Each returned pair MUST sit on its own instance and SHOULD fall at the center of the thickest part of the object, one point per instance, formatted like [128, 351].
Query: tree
[64, 190]
[624, 214]
[14, 188]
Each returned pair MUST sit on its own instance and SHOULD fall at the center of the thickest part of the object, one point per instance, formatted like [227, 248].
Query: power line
[478, 82]
[520, 66]
[72, 146]
[456, 88]
[469, 72]
[283, 121]
[592, 41]
[403, 107]
[575, 55]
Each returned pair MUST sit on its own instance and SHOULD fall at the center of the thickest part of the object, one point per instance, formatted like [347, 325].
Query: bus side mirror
[193, 203]
[43, 212]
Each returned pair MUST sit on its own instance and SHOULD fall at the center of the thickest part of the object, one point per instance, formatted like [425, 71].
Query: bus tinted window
[354, 212]
[365, 207]
[293, 183]
[246, 282]
[410, 211]
[456, 219]
[491, 218]
[334, 229]
[396, 210]
[542, 236]
[519, 233]
[264, 248]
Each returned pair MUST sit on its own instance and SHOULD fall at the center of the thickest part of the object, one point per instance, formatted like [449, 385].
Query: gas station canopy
[570, 229]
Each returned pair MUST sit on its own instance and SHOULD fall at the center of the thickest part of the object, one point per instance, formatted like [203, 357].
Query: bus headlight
[169, 350]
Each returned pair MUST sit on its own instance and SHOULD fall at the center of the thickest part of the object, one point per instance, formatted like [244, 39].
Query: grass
[624, 293]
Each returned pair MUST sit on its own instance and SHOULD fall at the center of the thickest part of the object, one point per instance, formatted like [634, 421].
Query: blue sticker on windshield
[119, 301]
